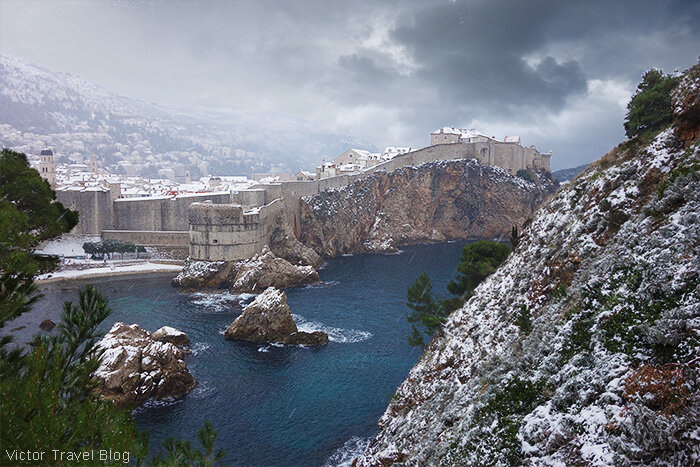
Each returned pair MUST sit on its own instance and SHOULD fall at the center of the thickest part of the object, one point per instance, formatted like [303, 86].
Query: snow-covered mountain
[40, 108]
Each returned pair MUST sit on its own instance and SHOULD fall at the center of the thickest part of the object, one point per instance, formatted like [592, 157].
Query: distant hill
[39, 108]
[567, 174]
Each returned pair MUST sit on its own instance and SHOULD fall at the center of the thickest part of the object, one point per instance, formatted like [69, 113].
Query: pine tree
[427, 310]
[479, 260]
[650, 107]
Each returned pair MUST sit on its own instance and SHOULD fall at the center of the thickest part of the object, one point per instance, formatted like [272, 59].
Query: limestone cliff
[432, 202]
[584, 347]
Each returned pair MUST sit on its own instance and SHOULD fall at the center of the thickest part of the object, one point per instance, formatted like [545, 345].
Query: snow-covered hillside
[584, 347]
[40, 108]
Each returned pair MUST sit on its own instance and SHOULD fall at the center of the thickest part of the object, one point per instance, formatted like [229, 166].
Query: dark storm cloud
[475, 52]
[557, 72]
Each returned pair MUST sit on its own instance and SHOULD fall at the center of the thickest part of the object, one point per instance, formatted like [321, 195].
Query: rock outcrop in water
[433, 202]
[269, 319]
[582, 349]
[247, 276]
[135, 367]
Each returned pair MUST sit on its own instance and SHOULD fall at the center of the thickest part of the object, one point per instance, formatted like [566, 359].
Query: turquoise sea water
[283, 405]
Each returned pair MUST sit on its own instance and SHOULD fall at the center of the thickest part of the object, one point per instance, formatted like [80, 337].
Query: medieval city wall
[94, 208]
[228, 233]
[224, 232]
[161, 239]
[159, 213]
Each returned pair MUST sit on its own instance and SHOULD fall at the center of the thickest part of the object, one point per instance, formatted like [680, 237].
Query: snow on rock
[246, 276]
[269, 319]
[136, 367]
[608, 374]
[172, 335]
[432, 202]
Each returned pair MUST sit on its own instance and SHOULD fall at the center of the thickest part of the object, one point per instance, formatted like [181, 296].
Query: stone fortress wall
[228, 226]
[95, 207]
[225, 232]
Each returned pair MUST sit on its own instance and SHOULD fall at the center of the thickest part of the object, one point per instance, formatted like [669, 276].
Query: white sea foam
[334, 334]
[320, 285]
[153, 403]
[199, 347]
[203, 390]
[215, 301]
[343, 456]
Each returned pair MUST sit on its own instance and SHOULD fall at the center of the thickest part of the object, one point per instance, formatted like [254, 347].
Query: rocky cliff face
[584, 347]
[433, 202]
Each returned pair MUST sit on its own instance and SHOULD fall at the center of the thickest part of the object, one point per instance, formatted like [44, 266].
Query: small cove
[274, 405]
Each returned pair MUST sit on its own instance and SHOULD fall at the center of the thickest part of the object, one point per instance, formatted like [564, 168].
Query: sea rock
[246, 276]
[267, 270]
[172, 335]
[136, 367]
[269, 319]
[432, 202]
[307, 338]
[203, 274]
[47, 325]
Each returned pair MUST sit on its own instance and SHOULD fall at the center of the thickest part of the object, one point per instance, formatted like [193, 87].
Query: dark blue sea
[282, 405]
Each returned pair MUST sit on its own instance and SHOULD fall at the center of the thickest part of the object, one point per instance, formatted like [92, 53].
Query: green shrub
[579, 339]
[525, 175]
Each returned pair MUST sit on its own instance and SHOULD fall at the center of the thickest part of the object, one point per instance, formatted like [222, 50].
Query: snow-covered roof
[447, 130]
[463, 133]
[512, 139]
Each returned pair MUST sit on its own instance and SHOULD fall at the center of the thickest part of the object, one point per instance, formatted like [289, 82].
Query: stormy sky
[557, 73]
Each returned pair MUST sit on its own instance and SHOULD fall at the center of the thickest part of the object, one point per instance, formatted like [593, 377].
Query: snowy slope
[583, 348]
[39, 107]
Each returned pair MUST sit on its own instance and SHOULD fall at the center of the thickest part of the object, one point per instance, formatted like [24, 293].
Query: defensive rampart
[236, 225]
[94, 206]
[225, 232]
[159, 213]
[230, 232]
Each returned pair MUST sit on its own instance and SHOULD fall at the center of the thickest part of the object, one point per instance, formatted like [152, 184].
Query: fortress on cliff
[236, 225]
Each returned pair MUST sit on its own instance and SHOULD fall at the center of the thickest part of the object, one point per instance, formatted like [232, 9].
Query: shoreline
[90, 273]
